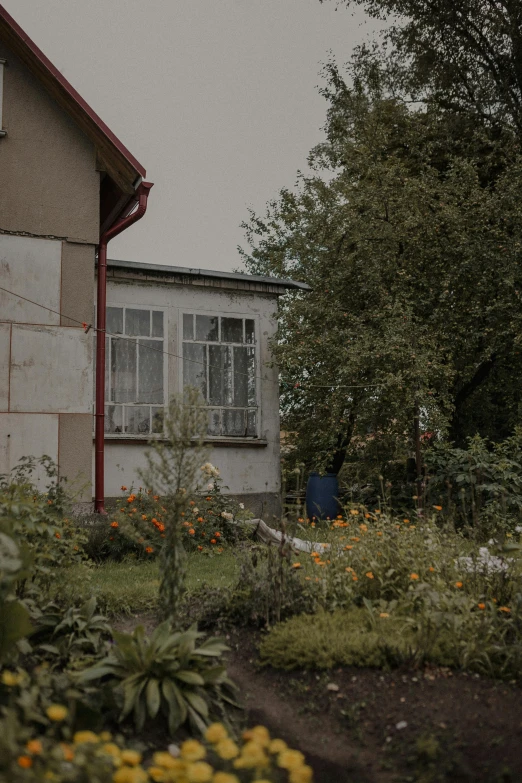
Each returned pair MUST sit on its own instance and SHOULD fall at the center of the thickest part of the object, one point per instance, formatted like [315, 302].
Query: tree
[465, 56]
[408, 231]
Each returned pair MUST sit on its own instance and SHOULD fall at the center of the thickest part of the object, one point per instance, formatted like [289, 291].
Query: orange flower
[458, 584]
[131, 498]
[122, 509]
[355, 578]
[34, 747]
[220, 549]
[213, 541]
[200, 519]
[354, 512]
[123, 489]
[57, 535]
[192, 503]
[208, 498]
[354, 538]
[406, 521]
[156, 497]
[414, 576]
[217, 534]
[363, 527]
[349, 546]
[161, 527]
[481, 606]
[114, 524]
[367, 516]
[377, 511]
[144, 516]
[431, 569]
[200, 548]
[438, 508]
[379, 533]
[369, 575]
[504, 609]
[192, 532]
[296, 565]
[68, 753]
[149, 549]
[25, 762]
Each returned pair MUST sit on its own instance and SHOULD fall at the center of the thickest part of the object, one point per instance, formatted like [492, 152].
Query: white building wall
[246, 469]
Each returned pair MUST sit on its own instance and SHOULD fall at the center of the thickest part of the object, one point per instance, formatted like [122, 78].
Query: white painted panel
[51, 369]
[5, 334]
[27, 435]
[32, 268]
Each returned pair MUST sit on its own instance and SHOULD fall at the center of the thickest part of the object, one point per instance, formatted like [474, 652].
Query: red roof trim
[71, 92]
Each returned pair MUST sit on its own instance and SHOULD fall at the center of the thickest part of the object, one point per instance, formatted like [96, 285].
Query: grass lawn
[132, 587]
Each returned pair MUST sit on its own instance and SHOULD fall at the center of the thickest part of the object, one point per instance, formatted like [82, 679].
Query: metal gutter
[206, 273]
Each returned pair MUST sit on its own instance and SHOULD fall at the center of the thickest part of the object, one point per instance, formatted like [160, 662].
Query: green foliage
[165, 675]
[478, 487]
[14, 617]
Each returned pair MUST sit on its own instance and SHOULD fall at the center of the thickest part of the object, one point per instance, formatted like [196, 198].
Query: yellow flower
[227, 749]
[296, 565]
[200, 772]
[84, 737]
[354, 512]
[302, 774]
[165, 760]
[504, 609]
[157, 774]
[384, 615]
[458, 584]
[110, 749]
[215, 733]
[369, 575]
[290, 759]
[11, 678]
[259, 734]
[252, 756]
[131, 757]
[130, 775]
[225, 777]
[192, 750]
[105, 736]
[277, 746]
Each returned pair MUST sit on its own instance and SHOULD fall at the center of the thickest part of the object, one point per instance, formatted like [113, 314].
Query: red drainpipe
[120, 225]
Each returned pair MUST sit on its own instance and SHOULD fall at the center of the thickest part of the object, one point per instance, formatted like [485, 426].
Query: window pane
[188, 326]
[137, 420]
[123, 370]
[113, 418]
[251, 424]
[220, 375]
[240, 376]
[137, 322]
[231, 330]
[250, 332]
[157, 323]
[115, 320]
[252, 399]
[214, 422]
[150, 372]
[207, 328]
[157, 419]
[234, 423]
[195, 367]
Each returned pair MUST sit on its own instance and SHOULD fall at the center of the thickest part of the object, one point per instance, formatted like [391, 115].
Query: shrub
[166, 674]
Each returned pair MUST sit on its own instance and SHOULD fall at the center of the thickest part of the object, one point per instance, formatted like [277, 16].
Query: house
[170, 327]
[67, 184]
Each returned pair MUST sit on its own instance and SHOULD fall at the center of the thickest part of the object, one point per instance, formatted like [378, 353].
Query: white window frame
[256, 346]
[139, 435]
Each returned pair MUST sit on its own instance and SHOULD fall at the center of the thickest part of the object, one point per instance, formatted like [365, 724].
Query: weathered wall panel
[30, 267]
[5, 341]
[51, 369]
[75, 455]
[28, 435]
[77, 300]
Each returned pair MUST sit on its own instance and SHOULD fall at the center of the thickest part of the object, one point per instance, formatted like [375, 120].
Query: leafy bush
[15, 621]
[165, 674]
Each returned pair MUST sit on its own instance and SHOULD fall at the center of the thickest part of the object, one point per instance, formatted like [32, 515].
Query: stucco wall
[251, 471]
[49, 227]
[49, 185]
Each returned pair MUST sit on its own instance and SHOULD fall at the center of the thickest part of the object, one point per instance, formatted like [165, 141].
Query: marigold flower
[406, 521]
[290, 759]
[369, 575]
[112, 750]
[354, 538]
[130, 757]
[56, 712]
[414, 576]
[192, 532]
[144, 516]
[149, 549]
[225, 777]
[227, 749]
[367, 516]
[67, 751]
[277, 746]
[200, 548]
[213, 541]
[302, 774]
[85, 737]
[431, 569]
[123, 489]
[200, 772]
[200, 519]
[192, 502]
[377, 511]
[156, 497]
[354, 512]
[217, 534]
[384, 615]
[379, 533]
[355, 578]
[192, 750]
[114, 524]
[11, 679]
[259, 734]
[215, 733]
[481, 606]
[349, 546]
[130, 775]
[34, 747]
[296, 565]
[504, 609]
[24, 761]
[459, 584]
[157, 774]
[57, 535]
[363, 527]
[438, 508]
[131, 498]
[252, 755]
[165, 760]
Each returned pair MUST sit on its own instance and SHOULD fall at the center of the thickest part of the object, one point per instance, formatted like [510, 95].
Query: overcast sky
[216, 98]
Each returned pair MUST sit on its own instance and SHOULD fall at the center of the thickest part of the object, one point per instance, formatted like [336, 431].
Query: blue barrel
[322, 494]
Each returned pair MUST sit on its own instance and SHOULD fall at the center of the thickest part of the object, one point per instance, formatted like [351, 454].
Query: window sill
[218, 442]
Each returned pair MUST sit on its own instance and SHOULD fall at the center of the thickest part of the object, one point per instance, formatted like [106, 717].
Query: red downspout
[120, 225]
